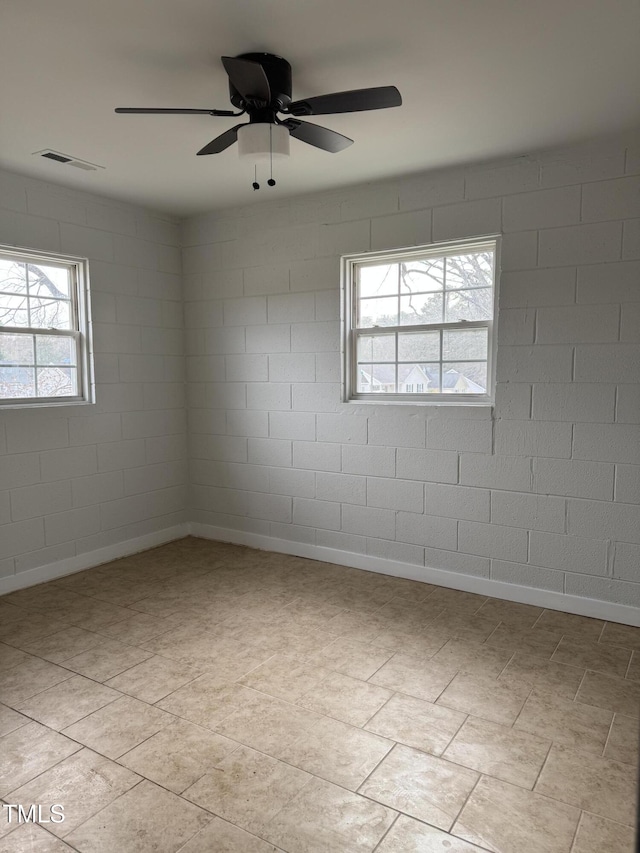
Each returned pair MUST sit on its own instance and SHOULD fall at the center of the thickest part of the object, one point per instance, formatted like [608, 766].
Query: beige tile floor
[208, 698]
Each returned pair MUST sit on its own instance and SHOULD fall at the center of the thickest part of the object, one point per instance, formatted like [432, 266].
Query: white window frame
[350, 332]
[80, 331]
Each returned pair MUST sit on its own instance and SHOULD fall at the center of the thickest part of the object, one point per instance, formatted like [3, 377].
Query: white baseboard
[595, 608]
[91, 559]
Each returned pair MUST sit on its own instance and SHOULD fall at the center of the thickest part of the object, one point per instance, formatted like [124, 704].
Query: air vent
[57, 157]
[67, 160]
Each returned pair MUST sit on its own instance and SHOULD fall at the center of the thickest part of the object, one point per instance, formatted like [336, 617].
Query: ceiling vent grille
[67, 160]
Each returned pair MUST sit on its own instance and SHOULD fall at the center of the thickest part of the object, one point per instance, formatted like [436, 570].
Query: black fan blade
[248, 78]
[347, 102]
[321, 137]
[154, 111]
[221, 142]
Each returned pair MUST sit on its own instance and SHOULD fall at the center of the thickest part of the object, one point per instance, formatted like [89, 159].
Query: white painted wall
[543, 492]
[77, 482]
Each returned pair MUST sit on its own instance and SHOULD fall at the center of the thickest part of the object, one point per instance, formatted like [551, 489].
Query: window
[44, 353]
[419, 323]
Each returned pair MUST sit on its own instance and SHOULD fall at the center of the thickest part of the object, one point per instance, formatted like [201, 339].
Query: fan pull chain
[271, 182]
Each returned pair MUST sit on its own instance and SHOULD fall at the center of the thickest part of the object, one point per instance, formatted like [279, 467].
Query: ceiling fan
[260, 87]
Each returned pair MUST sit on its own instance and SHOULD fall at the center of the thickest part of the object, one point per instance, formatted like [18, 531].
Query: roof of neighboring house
[450, 379]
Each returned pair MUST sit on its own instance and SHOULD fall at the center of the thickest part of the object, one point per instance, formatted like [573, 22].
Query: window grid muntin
[79, 322]
[351, 271]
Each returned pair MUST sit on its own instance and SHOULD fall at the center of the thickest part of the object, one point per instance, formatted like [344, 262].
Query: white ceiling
[480, 79]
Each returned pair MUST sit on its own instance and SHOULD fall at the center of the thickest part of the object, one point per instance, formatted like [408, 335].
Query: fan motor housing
[278, 72]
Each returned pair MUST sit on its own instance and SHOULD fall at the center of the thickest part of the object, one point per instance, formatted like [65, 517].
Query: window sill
[10, 405]
[450, 404]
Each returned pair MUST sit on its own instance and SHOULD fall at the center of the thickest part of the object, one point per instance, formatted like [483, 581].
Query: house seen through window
[44, 356]
[420, 323]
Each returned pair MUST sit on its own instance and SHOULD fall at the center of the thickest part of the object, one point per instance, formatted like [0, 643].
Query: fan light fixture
[262, 141]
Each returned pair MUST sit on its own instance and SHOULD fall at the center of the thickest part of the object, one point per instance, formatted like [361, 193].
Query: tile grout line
[582, 680]
[577, 829]
[604, 625]
[368, 679]
[609, 733]
[518, 715]
[546, 758]
[388, 831]
[468, 797]
[375, 714]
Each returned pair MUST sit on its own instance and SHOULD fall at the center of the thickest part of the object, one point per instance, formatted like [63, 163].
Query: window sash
[74, 335]
[397, 362]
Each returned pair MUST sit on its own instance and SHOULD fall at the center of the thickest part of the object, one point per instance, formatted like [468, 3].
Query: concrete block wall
[543, 491]
[78, 479]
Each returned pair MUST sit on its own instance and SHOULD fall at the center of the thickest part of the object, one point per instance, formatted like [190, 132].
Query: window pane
[376, 348]
[416, 310]
[13, 310]
[48, 281]
[13, 277]
[460, 344]
[16, 349]
[17, 382]
[364, 379]
[384, 378]
[469, 305]
[422, 276]
[464, 377]
[473, 270]
[378, 280]
[378, 312]
[376, 378]
[57, 382]
[54, 349]
[419, 346]
[418, 378]
[50, 314]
